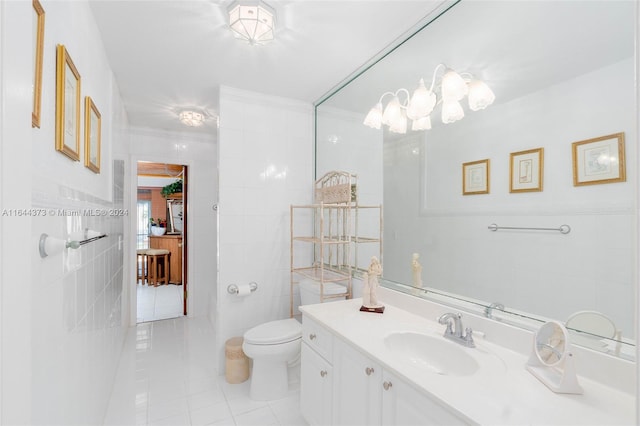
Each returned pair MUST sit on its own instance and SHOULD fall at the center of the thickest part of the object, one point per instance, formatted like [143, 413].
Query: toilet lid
[274, 332]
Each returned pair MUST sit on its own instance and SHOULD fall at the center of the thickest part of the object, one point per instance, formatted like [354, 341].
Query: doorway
[161, 246]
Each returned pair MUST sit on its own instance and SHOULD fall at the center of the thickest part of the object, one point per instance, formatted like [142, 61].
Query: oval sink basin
[431, 353]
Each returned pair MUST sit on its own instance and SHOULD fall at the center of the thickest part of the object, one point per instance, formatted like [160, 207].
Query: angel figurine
[417, 271]
[371, 287]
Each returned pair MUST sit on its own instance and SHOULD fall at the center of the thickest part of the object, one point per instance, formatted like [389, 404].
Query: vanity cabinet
[316, 373]
[316, 384]
[348, 387]
[403, 404]
[357, 387]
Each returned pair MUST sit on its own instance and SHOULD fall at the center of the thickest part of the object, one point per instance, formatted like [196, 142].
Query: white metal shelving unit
[334, 236]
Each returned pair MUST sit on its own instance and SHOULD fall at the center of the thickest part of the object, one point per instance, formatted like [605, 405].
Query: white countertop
[505, 395]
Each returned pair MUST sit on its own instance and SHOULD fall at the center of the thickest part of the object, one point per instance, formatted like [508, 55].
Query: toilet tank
[310, 291]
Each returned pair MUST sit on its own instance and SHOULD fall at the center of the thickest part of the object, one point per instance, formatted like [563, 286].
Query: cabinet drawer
[317, 337]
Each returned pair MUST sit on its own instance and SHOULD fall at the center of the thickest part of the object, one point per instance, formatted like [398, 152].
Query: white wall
[266, 152]
[198, 152]
[66, 308]
[345, 144]
[15, 193]
[590, 268]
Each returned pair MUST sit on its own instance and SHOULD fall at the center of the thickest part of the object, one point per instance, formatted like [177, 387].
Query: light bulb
[453, 86]
[421, 103]
[392, 112]
[480, 95]
[423, 123]
[374, 117]
[399, 125]
[451, 111]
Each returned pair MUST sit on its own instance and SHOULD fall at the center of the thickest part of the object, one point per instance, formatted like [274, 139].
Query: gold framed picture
[475, 177]
[526, 170]
[67, 105]
[38, 39]
[599, 160]
[92, 135]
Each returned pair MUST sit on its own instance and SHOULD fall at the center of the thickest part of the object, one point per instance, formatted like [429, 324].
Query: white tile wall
[266, 164]
[62, 316]
[77, 303]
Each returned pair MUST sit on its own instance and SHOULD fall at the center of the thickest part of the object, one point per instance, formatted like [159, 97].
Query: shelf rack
[333, 235]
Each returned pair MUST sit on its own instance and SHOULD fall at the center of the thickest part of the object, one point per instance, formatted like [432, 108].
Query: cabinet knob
[369, 371]
[312, 336]
[323, 373]
[387, 385]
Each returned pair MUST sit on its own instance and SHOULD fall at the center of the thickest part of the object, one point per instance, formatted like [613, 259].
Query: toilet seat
[274, 332]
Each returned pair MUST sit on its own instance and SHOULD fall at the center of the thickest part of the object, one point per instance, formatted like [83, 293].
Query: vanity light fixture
[252, 21]
[191, 118]
[452, 88]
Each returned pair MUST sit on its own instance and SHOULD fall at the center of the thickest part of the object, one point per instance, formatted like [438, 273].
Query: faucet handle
[468, 337]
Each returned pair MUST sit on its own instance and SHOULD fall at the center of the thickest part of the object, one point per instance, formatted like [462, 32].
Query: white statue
[375, 270]
[417, 271]
[366, 290]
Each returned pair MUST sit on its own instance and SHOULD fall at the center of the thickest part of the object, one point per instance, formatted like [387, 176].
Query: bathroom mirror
[551, 360]
[550, 342]
[562, 72]
[174, 207]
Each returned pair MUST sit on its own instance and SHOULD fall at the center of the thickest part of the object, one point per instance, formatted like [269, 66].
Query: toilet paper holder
[233, 288]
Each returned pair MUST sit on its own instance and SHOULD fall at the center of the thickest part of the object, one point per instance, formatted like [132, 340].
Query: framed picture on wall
[67, 105]
[92, 135]
[526, 170]
[599, 160]
[38, 39]
[475, 177]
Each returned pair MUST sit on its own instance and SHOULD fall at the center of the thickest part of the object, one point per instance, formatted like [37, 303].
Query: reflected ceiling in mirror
[561, 72]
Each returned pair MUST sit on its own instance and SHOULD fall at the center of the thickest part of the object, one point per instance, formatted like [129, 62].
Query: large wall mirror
[562, 72]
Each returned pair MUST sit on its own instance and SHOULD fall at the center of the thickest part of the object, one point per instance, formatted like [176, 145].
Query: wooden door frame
[185, 238]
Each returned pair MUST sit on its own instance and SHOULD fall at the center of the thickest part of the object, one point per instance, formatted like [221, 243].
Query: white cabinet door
[357, 388]
[315, 387]
[404, 405]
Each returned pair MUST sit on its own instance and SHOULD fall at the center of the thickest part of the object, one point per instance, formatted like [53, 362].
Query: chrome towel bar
[563, 229]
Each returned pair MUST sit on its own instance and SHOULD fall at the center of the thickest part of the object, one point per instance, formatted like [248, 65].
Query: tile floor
[157, 303]
[167, 376]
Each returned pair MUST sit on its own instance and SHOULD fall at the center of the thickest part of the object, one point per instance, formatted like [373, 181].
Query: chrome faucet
[454, 329]
[488, 311]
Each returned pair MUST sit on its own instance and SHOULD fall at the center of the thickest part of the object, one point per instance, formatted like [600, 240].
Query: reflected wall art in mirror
[560, 72]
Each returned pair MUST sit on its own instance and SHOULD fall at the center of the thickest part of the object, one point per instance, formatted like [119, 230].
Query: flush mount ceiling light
[191, 118]
[418, 107]
[252, 21]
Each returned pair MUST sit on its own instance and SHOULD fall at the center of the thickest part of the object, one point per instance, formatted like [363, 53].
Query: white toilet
[273, 345]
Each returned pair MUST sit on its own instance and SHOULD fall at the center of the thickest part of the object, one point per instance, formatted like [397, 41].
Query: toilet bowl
[274, 345]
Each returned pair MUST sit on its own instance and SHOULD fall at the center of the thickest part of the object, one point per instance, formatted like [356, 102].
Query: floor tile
[166, 376]
[210, 414]
[260, 417]
[158, 303]
[243, 404]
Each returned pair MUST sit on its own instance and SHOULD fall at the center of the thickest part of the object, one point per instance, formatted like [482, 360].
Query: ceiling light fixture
[191, 118]
[452, 88]
[252, 21]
